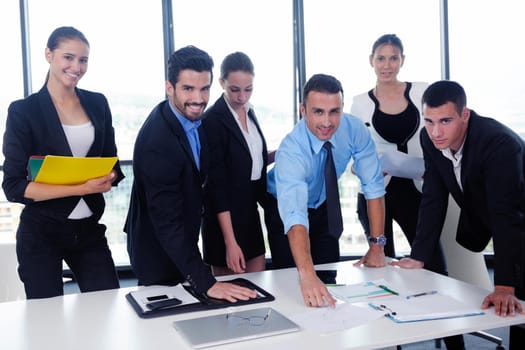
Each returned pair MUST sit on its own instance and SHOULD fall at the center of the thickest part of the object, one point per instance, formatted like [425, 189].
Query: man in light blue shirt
[298, 182]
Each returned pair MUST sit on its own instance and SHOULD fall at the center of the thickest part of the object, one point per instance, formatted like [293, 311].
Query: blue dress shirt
[297, 179]
[190, 128]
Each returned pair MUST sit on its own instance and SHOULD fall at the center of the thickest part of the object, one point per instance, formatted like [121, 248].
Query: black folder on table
[156, 301]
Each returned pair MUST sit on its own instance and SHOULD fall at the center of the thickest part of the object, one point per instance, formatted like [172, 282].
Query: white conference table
[105, 320]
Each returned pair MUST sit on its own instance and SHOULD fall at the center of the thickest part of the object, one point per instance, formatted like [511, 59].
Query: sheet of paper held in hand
[146, 294]
[400, 164]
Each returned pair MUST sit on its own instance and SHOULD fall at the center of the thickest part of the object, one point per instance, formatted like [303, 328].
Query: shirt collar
[187, 124]
[317, 144]
[247, 107]
[447, 152]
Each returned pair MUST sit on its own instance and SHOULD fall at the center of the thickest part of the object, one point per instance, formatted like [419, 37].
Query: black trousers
[323, 247]
[517, 333]
[402, 201]
[42, 246]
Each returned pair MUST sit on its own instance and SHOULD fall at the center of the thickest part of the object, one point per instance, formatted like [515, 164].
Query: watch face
[379, 240]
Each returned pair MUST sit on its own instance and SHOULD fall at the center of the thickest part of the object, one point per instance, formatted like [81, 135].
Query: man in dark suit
[480, 162]
[170, 162]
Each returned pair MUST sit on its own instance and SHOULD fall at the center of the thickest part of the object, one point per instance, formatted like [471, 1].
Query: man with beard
[170, 162]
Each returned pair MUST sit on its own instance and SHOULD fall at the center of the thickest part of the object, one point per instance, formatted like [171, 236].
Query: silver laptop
[233, 327]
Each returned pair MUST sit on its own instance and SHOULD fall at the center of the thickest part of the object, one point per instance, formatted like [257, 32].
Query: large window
[126, 55]
[485, 58]
[486, 52]
[126, 64]
[262, 30]
[11, 88]
[339, 38]
[11, 84]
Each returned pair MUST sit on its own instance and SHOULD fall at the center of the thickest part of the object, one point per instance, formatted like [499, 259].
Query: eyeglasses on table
[254, 320]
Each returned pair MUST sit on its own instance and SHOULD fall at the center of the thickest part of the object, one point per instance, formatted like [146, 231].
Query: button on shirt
[297, 179]
[192, 133]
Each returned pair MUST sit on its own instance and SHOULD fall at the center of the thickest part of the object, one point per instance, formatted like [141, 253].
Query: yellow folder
[63, 170]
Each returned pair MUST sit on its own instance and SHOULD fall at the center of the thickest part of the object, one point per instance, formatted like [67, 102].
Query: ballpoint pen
[421, 294]
[385, 288]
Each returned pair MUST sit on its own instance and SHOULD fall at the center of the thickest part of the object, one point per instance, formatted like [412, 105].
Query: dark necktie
[333, 205]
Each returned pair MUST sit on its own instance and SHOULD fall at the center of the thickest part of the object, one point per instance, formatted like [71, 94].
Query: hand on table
[315, 293]
[375, 257]
[408, 263]
[230, 292]
[504, 301]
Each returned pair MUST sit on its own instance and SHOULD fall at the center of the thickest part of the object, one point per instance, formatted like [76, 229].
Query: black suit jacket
[230, 186]
[492, 201]
[166, 204]
[33, 128]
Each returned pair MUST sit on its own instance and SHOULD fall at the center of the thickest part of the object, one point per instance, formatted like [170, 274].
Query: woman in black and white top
[392, 111]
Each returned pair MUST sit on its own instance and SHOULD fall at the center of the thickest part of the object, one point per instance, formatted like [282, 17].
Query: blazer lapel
[52, 122]
[179, 132]
[229, 121]
[467, 162]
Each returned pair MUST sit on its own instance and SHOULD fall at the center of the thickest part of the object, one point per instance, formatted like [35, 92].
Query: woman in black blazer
[232, 233]
[61, 222]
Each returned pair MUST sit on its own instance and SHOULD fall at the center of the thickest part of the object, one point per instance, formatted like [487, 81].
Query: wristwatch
[379, 240]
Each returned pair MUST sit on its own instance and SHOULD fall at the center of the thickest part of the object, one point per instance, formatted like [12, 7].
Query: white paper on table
[425, 306]
[400, 164]
[178, 291]
[343, 316]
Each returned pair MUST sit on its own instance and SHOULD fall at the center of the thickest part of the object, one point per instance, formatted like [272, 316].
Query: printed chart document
[400, 164]
[423, 307]
[64, 170]
[363, 291]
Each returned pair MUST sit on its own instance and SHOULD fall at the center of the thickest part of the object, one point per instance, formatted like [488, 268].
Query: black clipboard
[205, 302]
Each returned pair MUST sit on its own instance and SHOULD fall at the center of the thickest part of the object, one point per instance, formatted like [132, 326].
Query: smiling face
[68, 62]
[322, 112]
[387, 60]
[238, 88]
[191, 93]
[445, 127]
